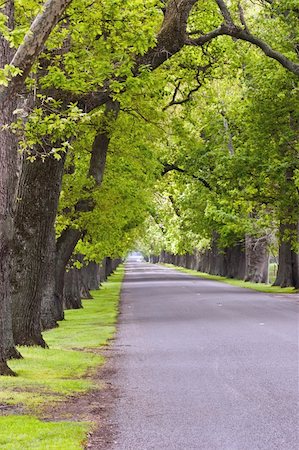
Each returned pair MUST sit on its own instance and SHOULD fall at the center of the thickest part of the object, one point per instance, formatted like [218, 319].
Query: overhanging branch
[229, 28]
[170, 167]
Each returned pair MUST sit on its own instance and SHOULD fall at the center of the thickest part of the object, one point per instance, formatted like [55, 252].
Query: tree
[17, 66]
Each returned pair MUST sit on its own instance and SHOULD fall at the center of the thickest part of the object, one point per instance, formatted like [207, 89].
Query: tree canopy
[171, 126]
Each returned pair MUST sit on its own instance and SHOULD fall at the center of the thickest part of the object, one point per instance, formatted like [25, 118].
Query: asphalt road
[204, 365]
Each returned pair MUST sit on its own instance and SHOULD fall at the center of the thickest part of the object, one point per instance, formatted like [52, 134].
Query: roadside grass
[261, 287]
[26, 432]
[48, 376]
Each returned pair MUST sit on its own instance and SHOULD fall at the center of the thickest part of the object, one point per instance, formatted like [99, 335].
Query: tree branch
[244, 35]
[169, 167]
[205, 38]
[229, 28]
[171, 37]
[174, 100]
[225, 12]
[37, 35]
[242, 16]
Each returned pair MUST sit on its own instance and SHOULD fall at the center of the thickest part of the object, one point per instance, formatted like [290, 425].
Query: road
[204, 365]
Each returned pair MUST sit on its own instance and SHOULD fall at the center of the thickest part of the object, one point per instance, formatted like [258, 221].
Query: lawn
[47, 376]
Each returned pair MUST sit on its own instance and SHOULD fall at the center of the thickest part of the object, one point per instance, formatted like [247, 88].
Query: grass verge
[48, 376]
[261, 287]
[26, 432]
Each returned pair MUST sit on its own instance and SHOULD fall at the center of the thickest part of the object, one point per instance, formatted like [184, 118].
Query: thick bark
[65, 246]
[7, 191]
[91, 275]
[82, 278]
[51, 308]
[103, 274]
[24, 58]
[234, 261]
[257, 259]
[288, 261]
[109, 268]
[38, 196]
[8, 183]
[83, 286]
[71, 291]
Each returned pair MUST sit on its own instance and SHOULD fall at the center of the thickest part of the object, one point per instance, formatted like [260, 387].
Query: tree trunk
[109, 269]
[38, 197]
[83, 276]
[257, 259]
[66, 244]
[51, 309]
[71, 291]
[288, 263]
[91, 275]
[115, 263]
[103, 274]
[83, 286]
[8, 183]
[23, 58]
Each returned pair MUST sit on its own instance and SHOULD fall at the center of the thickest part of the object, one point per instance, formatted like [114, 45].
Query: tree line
[141, 92]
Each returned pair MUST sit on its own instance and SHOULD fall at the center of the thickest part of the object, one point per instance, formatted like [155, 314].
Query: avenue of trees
[171, 125]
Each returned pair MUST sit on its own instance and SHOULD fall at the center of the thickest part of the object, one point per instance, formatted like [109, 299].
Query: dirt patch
[95, 406]
[6, 409]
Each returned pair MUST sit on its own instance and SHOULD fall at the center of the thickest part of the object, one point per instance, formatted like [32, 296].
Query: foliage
[236, 145]
[220, 113]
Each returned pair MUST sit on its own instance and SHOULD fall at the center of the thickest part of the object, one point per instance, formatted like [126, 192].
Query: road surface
[204, 365]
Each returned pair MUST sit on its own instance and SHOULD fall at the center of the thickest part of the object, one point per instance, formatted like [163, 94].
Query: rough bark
[91, 275]
[51, 308]
[234, 261]
[71, 290]
[257, 259]
[38, 196]
[109, 268]
[8, 182]
[103, 275]
[7, 193]
[24, 58]
[65, 246]
[288, 260]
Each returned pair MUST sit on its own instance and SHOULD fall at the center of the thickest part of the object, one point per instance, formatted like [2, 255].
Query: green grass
[261, 287]
[48, 376]
[26, 432]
